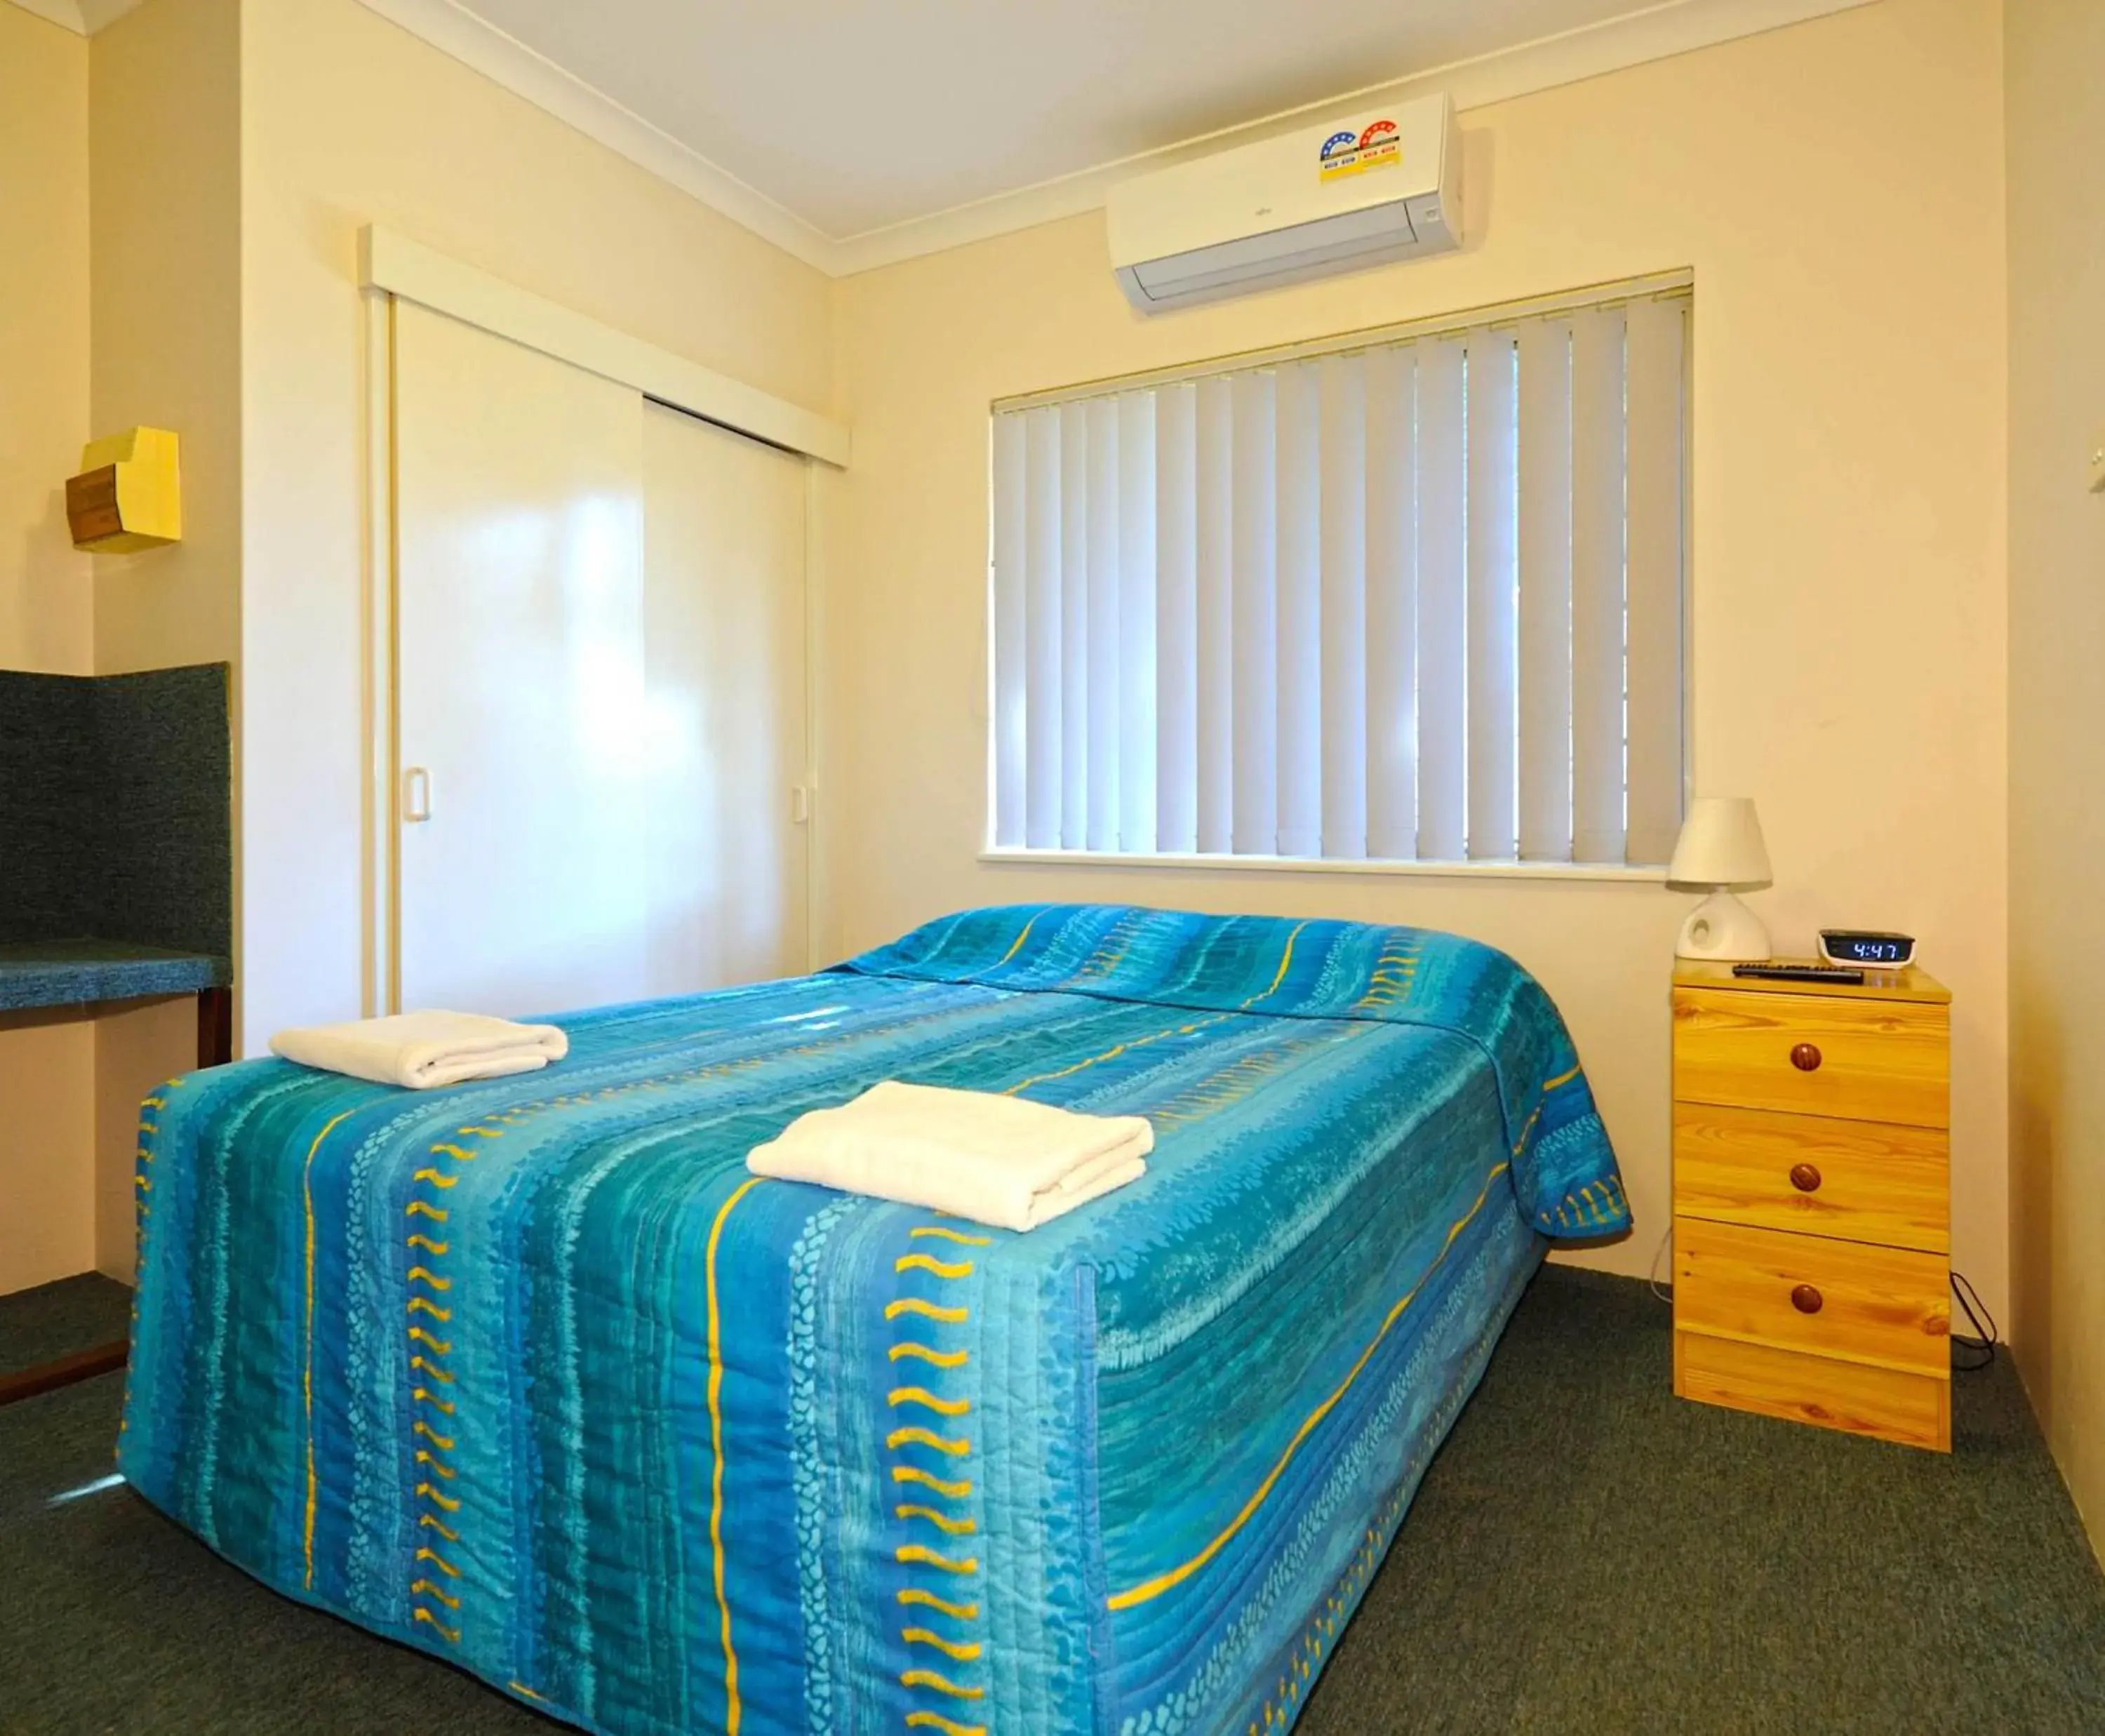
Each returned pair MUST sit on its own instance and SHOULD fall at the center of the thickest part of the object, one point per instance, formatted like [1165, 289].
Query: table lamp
[1720, 852]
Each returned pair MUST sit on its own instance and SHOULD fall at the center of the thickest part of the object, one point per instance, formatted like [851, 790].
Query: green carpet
[1588, 1555]
[54, 1320]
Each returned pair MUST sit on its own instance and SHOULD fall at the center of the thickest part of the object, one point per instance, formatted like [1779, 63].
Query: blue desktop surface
[69, 972]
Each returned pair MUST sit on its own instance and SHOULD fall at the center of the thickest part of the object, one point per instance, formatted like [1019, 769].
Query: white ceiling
[858, 114]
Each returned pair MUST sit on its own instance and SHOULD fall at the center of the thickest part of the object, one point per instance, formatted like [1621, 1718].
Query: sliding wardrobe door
[724, 663]
[522, 705]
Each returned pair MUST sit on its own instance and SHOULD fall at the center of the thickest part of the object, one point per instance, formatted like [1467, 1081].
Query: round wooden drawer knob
[1806, 1300]
[1805, 1057]
[1805, 1177]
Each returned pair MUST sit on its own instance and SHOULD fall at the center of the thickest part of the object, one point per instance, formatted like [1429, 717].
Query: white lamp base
[1723, 927]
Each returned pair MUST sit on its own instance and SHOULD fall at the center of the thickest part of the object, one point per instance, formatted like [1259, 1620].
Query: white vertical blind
[1011, 554]
[1494, 601]
[1653, 395]
[1443, 636]
[1104, 681]
[1299, 773]
[1416, 600]
[1041, 517]
[1340, 673]
[1213, 490]
[1136, 748]
[1071, 584]
[1543, 506]
[1176, 620]
[1596, 587]
[1392, 604]
[1253, 637]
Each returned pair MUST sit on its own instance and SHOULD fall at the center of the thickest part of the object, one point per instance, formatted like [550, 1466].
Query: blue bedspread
[531, 1373]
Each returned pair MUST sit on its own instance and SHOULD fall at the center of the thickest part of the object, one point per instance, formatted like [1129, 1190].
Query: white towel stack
[423, 1050]
[1003, 1160]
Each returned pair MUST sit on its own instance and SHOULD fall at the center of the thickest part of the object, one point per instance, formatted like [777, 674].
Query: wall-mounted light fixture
[129, 494]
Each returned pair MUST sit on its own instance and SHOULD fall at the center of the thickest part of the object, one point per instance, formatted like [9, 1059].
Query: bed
[533, 1375]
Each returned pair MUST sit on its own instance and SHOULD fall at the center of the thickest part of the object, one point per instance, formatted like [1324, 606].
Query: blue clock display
[1875, 948]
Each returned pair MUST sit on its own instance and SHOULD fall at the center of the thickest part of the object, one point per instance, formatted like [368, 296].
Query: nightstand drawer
[1865, 1180]
[1889, 1306]
[1914, 1409]
[1861, 1059]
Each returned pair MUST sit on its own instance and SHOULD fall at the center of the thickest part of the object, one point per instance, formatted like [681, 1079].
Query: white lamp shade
[1720, 846]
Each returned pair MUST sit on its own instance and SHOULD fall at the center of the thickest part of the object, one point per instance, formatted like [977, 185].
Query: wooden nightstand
[1812, 1216]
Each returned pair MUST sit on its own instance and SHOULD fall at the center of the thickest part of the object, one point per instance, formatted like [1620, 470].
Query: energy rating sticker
[1355, 153]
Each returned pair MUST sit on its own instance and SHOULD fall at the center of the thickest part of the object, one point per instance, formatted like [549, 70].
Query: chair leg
[215, 1026]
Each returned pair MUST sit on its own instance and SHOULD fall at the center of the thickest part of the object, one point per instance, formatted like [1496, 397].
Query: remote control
[1802, 973]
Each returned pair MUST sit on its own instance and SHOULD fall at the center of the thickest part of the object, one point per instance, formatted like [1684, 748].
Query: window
[1418, 598]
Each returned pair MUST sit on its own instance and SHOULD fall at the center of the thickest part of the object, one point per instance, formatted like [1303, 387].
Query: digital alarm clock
[1875, 949]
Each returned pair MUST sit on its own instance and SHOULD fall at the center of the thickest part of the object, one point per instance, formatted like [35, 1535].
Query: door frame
[380, 990]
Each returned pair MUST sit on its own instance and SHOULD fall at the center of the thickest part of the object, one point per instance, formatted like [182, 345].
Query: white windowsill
[1211, 863]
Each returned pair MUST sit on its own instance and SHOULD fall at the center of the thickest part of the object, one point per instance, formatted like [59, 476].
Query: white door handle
[800, 803]
[416, 794]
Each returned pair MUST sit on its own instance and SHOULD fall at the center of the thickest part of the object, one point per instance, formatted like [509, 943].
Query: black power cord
[1982, 1346]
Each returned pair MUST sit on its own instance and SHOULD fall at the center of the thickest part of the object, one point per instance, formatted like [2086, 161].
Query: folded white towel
[423, 1050]
[1003, 1160]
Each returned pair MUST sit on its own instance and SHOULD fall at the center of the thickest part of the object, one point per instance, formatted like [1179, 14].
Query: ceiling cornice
[508, 61]
[83, 17]
[1654, 33]
[65, 14]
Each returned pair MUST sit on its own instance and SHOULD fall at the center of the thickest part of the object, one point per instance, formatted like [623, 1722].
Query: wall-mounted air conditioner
[1357, 191]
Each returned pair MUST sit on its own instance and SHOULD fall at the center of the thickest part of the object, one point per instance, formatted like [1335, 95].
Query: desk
[77, 972]
[70, 972]
[116, 822]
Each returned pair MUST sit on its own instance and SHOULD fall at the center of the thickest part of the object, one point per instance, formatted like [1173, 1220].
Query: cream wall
[47, 1182]
[164, 140]
[2055, 50]
[1823, 182]
[349, 120]
[47, 618]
